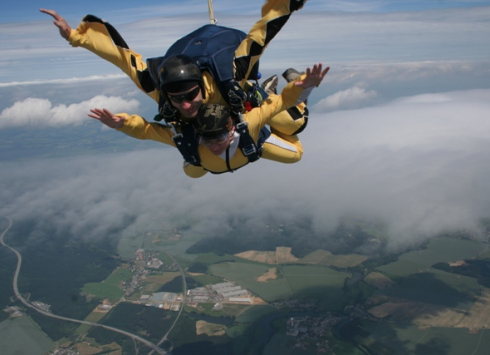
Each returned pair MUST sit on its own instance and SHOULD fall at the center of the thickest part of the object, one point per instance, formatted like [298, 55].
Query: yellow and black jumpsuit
[137, 127]
[103, 39]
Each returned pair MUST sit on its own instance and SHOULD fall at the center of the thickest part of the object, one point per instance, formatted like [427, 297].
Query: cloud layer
[419, 164]
[34, 112]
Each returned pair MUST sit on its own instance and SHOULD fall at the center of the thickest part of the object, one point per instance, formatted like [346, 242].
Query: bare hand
[107, 118]
[59, 22]
[313, 76]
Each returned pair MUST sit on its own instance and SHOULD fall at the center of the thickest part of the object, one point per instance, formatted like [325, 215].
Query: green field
[23, 336]
[93, 317]
[406, 339]
[305, 278]
[128, 244]
[103, 290]
[213, 258]
[322, 257]
[438, 250]
[254, 313]
[109, 288]
[316, 283]
[239, 271]
[269, 291]
[437, 287]
[207, 279]
[119, 275]
[297, 281]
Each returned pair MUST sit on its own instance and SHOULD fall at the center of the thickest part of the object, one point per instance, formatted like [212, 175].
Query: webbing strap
[187, 144]
[211, 13]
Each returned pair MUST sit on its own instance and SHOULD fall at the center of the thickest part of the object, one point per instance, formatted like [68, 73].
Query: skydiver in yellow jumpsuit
[218, 137]
[102, 39]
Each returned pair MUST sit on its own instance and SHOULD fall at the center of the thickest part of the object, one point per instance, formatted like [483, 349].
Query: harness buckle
[249, 150]
[177, 137]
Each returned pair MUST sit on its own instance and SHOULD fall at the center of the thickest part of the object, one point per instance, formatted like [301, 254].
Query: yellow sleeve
[194, 171]
[137, 127]
[275, 14]
[102, 39]
[260, 116]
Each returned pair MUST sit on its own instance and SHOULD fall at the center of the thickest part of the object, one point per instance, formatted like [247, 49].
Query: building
[241, 299]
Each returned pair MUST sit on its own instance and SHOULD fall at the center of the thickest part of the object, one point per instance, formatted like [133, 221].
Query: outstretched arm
[314, 77]
[102, 39]
[275, 14]
[59, 22]
[107, 118]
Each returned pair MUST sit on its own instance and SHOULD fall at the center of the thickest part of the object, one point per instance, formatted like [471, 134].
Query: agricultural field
[316, 282]
[153, 282]
[109, 288]
[209, 329]
[435, 299]
[23, 336]
[271, 274]
[322, 257]
[238, 271]
[378, 280]
[94, 317]
[389, 338]
[291, 281]
[253, 313]
[282, 255]
[439, 250]
[157, 241]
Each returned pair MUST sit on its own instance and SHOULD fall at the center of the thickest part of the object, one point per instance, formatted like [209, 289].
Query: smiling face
[218, 145]
[187, 102]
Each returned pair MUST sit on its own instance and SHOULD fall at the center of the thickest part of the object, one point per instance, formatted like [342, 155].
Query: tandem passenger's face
[187, 102]
[218, 145]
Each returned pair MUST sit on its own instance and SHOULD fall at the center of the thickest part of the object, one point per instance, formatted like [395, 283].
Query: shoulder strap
[187, 143]
[252, 151]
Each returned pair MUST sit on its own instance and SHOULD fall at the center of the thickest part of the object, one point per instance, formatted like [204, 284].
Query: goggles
[188, 96]
[207, 142]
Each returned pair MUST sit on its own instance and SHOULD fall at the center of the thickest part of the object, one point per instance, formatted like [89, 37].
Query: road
[28, 304]
[184, 285]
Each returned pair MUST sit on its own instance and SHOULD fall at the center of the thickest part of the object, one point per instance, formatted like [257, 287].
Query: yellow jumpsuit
[137, 127]
[102, 38]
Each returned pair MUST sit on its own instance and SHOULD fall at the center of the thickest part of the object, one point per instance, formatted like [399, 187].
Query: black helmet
[179, 73]
[213, 120]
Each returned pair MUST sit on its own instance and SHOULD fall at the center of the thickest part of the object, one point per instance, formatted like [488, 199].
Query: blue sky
[398, 130]
[21, 11]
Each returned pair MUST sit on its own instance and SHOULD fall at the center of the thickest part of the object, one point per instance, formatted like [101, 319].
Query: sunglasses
[219, 140]
[188, 96]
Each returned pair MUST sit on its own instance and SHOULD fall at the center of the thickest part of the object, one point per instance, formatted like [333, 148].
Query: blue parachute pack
[213, 49]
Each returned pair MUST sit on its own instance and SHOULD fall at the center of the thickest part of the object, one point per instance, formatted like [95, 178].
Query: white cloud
[65, 81]
[349, 98]
[420, 164]
[41, 112]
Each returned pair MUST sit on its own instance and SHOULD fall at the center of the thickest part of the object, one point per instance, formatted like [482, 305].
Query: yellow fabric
[95, 37]
[137, 127]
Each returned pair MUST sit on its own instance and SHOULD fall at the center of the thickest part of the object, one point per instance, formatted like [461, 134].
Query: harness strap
[246, 143]
[187, 143]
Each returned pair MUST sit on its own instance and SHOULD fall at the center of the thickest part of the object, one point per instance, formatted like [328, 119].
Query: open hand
[314, 76]
[107, 118]
[59, 22]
